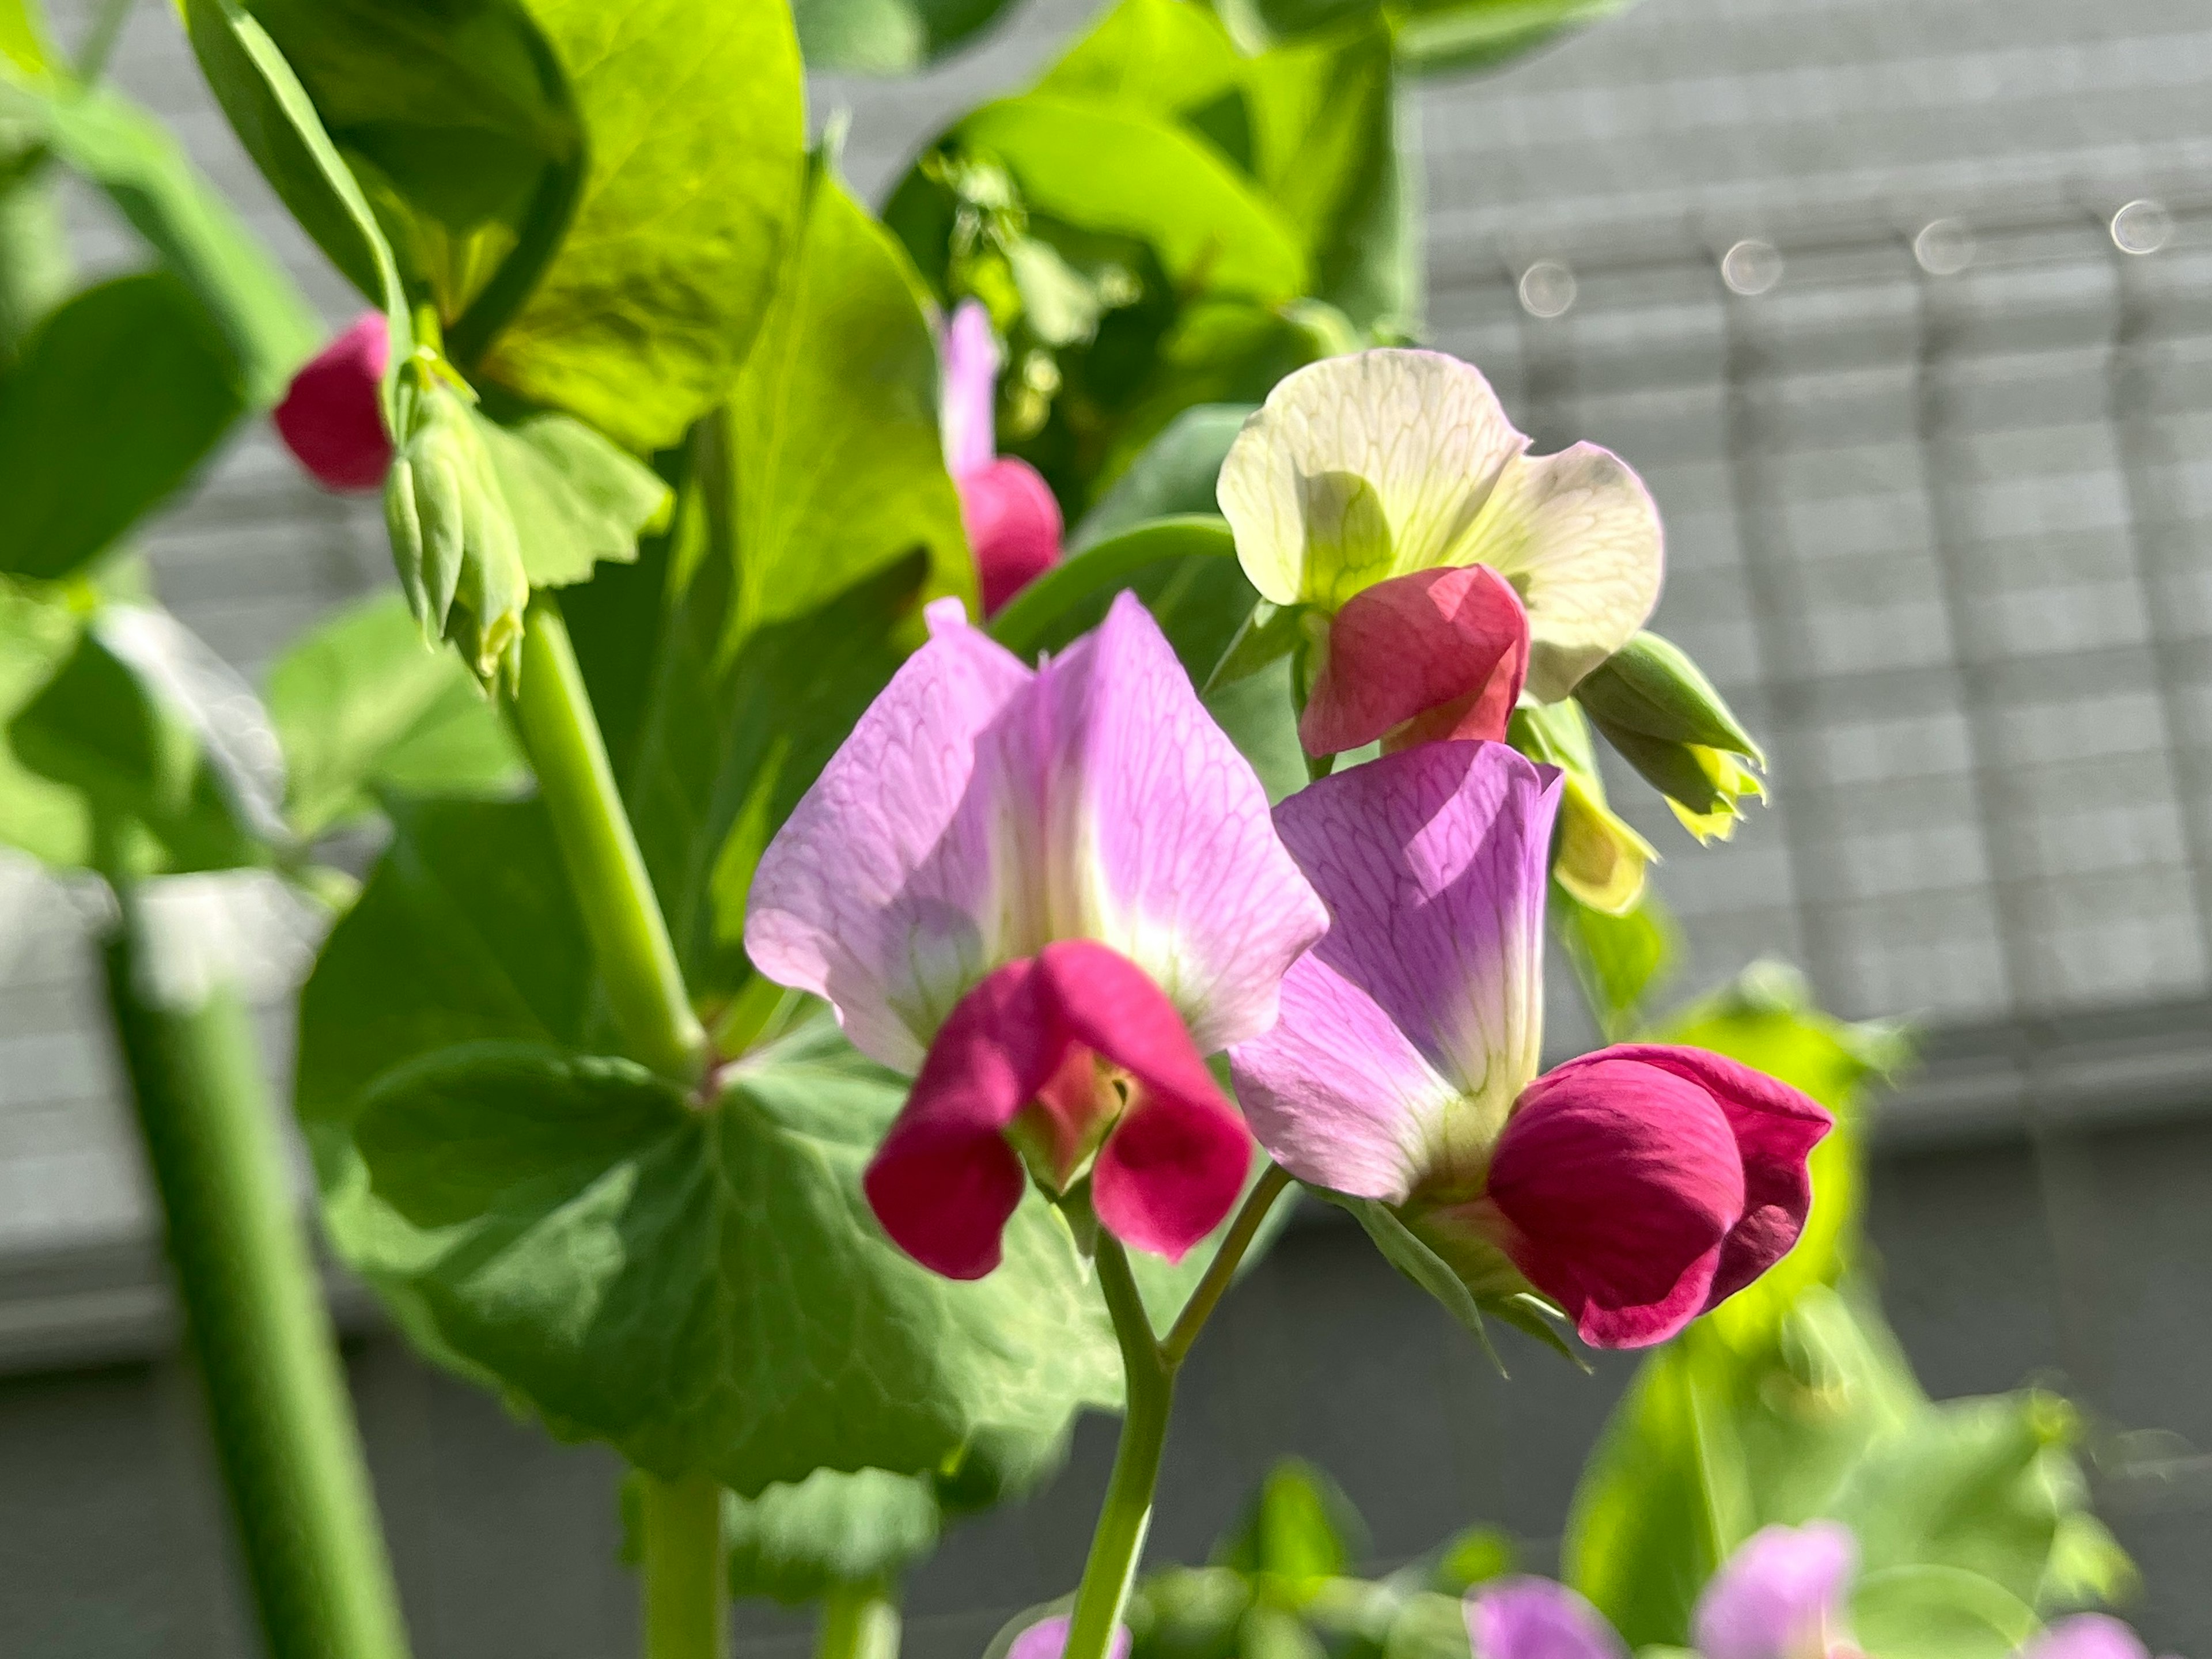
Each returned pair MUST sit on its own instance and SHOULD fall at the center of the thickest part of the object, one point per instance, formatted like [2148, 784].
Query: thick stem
[859, 1621]
[629, 936]
[284, 1435]
[686, 1599]
[1118, 1543]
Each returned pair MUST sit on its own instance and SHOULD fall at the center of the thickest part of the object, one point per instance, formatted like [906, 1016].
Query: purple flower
[2087, 1636]
[1636, 1186]
[1050, 893]
[1048, 1639]
[1012, 522]
[1781, 1595]
[1536, 1619]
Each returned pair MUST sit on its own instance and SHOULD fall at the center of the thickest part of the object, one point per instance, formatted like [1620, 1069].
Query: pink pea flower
[1536, 1619]
[1049, 894]
[330, 419]
[1782, 1595]
[1636, 1186]
[2087, 1636]
[1012, 522]
[1048, 1639]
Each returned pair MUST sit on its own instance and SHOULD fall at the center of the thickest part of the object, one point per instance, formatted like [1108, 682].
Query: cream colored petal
[1578, 536]
[1363, 467]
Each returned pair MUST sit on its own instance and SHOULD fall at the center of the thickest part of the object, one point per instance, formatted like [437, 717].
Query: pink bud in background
[1536, 1619]
[1782, 1595]
[1013, 524]
[331, 418]
[2087, 1636]
[1048, 1639]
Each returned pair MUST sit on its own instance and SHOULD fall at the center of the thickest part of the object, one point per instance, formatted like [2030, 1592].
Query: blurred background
[1904, 308]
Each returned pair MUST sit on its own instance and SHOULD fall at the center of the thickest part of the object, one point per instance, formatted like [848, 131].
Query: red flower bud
[331, 418]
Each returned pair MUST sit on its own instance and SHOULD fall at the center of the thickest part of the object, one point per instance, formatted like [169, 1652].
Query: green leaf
[836, 463]
[702, 1286]
[888, 37]
[276, 120]
[693, 114]
[1619, 961]
[1175, 475]
[119, 396]
[1167, 554]
[362, 705]
[270, 328]
[575, 499]
[159, 738]
[1937, 1612]
[23, 35]
[795, 1543]
[38, 815]
[1433, 36]
[1297, 1526]
[459, 127]
[1406, 1252]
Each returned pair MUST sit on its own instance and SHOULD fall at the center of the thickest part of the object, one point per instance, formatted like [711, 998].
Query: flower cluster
[1050, 894]
[1785, 1593]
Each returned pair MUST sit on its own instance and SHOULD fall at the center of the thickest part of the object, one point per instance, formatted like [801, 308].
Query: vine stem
[636, 958]
[1149, 1367]
[258, 1332]
[686, 1600]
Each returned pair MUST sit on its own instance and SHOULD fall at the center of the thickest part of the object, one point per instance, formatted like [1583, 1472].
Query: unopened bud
[332, 418]
[1664, 718]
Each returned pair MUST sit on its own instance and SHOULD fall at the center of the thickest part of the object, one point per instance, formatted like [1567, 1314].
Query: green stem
[1118, 1543]
[859, 1621]
[687, 1600]
[629, 936]
[284, 1434]
[1223, 1268]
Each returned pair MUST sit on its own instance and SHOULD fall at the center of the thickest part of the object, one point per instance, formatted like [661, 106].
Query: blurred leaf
[174, 771]
[2088, 1567]
[361, 704]
[276, 120]
[119, 396]
[1175, 475]
[888, 37]
[269, 327]
[702, 1287]
[1433, 36]
[37, 816]
[23, 35]
[793, 1544]
[1474, 1557]
[1937, 1612]
[693, 111]
[575, 499]
[1619, 961]
[459, 127]
[1297, 1526]
[1197, 591]
[1410, 1256]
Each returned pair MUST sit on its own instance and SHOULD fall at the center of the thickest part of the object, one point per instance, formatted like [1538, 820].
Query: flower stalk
[686, 1600]
[636, 958]
[859, 1621]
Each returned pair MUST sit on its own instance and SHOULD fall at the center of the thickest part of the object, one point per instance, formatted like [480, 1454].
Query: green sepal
[1651, 688]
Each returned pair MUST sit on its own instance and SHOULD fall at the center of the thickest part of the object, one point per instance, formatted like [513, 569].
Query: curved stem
[629, 936]
[1118, 1543]
[1222, 1269]
[687, 1602]
[859, 1621]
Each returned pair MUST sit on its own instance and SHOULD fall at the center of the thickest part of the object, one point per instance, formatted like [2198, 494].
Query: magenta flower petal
[1776, 1129]
[330, 419]
[1013, 526]
[884, 891]
[1431, 862]
[1781, 1595]
[1174, 1164]
[1048, 1639]
[2087, 1636]
[970, 383]
[1617, 1183]
[1155, 833]
[1536, 1619]
[1422, 658]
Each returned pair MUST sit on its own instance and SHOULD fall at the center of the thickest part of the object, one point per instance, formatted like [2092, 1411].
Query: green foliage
[106, 139]
[600, 1243]
[1621, 962]
[362, 705]
[37, 816]
[1298, 1526]
[1432, 36]
[1175, 475]
[576, 501]
[693, 118]
[118, 396]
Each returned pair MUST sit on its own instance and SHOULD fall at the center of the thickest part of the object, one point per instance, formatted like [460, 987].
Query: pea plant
[931, 771]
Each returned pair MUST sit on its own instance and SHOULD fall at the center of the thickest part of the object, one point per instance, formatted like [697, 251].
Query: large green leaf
[362, 705]
[694, 114]
[1928, 1611]
[144, 172]
[699, 1284]
[1175, 474]
[457, 123]
[276, 120]
[117, 398]
[888, 37]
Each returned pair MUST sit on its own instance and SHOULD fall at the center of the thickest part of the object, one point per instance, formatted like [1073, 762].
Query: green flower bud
[1664, 718]
[452, 535]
